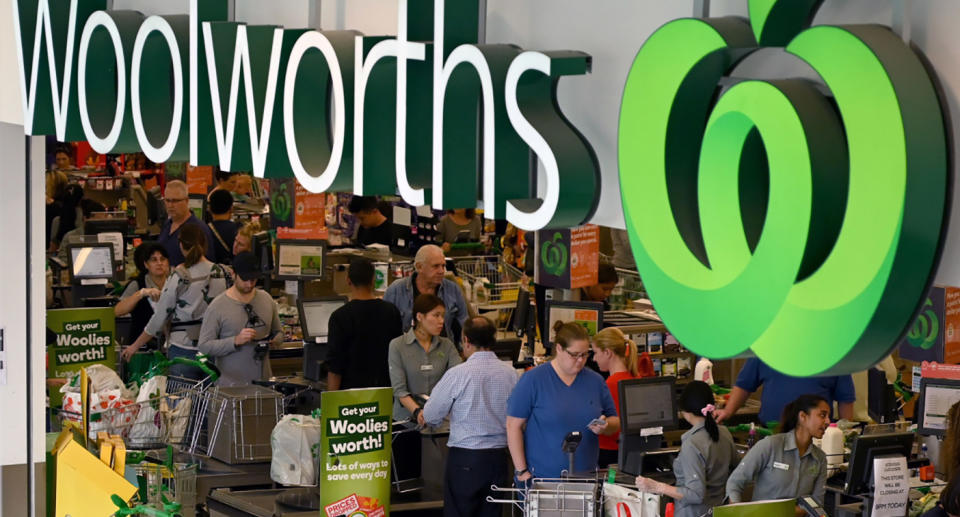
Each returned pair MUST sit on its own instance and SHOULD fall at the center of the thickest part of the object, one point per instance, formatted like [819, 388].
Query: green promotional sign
[78, 338]
[776, 219]
[355, 452]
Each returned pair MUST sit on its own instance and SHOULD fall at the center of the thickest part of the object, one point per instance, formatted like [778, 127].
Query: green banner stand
[78, 338]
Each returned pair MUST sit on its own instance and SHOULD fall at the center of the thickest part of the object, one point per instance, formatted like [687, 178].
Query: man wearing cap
[239, 325]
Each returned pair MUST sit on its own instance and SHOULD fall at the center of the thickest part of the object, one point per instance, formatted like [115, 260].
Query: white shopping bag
[295, 442]
[149, 426]
[619, 501]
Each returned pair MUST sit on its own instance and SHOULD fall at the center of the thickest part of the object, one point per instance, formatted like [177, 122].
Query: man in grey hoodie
[238, 326]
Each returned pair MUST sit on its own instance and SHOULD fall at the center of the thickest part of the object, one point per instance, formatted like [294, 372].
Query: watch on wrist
[416, 412]
[521, 472]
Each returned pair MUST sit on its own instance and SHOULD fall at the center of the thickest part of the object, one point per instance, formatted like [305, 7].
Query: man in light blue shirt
[430, 266]
[475, 395]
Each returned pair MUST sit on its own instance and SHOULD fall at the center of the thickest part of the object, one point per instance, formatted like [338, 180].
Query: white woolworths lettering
[541, 217]
[307, 41]
[101, 19]
[402, 49]
[44, 34]
[241, 61]
[162, 153]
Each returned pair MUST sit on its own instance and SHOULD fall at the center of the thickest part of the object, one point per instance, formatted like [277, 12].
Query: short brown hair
[567, 333]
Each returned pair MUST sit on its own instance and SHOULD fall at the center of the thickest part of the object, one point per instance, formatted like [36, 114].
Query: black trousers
[470, 472]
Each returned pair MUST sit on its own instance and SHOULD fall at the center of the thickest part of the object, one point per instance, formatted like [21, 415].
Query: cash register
[314, 322]
[647, 408]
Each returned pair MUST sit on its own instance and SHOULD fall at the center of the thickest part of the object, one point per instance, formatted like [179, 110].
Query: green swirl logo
[280, 203]
[776, 219]
[925, 330]
[553, 255]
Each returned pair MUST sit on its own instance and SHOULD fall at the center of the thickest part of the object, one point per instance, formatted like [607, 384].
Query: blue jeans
[182, 370]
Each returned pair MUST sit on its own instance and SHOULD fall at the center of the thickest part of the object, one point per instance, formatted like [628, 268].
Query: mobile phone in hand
[596, 421]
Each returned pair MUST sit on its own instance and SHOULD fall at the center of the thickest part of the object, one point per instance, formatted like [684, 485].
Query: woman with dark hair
[139, 298]
[553, 400]
[949, 504]
[183, 300]
[950, 448]
[461, 225]
[787, 465]
[419, 358]
[707, 455]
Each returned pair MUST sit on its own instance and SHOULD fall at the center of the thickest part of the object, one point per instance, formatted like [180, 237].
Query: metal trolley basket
[557, 497]
[501, 283]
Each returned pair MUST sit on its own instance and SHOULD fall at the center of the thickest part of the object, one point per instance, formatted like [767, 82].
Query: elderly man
[430, 266]
[177, 202]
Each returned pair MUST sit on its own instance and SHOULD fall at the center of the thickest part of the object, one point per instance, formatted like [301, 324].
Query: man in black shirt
[374, 226]
[222, 227]
[360, 333]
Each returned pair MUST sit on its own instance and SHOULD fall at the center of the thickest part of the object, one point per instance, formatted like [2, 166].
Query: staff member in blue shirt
[474, 394]
[780, 389]
[553, 400]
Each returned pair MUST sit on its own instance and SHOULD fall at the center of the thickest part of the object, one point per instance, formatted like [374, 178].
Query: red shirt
[610, 442]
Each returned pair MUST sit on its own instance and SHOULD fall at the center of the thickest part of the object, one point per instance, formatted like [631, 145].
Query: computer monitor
[881, 398]
[936, 397]
[647, 407]
[587, 314]
[315, 315]
[97, 225]
[90, 261]
[198, 205]
[299, 260]
[867, 447]
[508, 349]
[263, 249]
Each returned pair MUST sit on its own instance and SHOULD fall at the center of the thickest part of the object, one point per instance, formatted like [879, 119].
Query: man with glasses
[239, 326]
[177, 201]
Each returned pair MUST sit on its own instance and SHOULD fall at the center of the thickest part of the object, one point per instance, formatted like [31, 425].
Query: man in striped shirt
[474, 394]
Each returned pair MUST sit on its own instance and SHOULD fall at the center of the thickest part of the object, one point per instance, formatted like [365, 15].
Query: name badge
[426, 367]
[781, 466]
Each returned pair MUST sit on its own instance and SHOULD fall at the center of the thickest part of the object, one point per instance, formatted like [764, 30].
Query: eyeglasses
[253, 320]
[170, 200]
[577, 357]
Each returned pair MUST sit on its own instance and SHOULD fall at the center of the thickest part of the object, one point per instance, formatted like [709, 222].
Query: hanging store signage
[776, 220]
[320, 106]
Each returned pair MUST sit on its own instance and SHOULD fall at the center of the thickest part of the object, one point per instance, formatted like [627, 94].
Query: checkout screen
[92, 262]
[648, 405]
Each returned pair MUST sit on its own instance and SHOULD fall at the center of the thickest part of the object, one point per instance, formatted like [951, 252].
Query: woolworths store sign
[336, 109]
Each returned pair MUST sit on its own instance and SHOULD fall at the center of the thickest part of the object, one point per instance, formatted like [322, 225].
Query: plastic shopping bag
[148, 427]
[295, 442]
[620, 501]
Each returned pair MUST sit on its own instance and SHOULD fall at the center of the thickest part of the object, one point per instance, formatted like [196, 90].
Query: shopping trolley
[493, 285]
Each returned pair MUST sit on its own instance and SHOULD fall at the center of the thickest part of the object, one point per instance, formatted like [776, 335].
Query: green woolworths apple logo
[772, 219]
[925, 330]
[553, 255]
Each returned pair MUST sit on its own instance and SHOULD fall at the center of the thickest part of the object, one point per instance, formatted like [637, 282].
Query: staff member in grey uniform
[787, 465]
[184, 299]
[707, 455]
[419, 358]
[236, 321]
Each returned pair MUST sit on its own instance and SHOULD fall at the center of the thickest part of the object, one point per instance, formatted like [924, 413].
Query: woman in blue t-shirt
[553, 400]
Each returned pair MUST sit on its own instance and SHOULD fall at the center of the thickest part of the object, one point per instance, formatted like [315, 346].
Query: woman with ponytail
[707, 455]
[787, 465]
[183, 300]
[616, 354]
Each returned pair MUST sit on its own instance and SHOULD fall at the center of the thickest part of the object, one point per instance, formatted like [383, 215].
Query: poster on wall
[925, 340]
[567, 259]
[199, 179]
[77, 338]
[356, 446]
[296, 213]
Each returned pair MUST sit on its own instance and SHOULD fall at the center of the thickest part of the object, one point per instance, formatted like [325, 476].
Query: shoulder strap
[219, 238]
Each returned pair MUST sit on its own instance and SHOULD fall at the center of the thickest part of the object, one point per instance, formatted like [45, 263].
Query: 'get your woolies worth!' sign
[332, 108]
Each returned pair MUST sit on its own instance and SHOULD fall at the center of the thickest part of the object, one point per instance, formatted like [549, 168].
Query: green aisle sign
[80, 338]
[773, 219]
[355, 452]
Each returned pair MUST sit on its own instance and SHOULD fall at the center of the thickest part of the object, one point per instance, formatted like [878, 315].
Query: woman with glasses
[553, 400]
[139, 298]
[419, 358]
[183, 301]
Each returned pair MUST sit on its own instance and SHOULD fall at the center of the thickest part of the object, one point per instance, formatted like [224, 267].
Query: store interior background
[610, 30]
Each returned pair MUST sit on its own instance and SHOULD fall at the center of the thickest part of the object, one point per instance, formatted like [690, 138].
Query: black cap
[245, 266]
